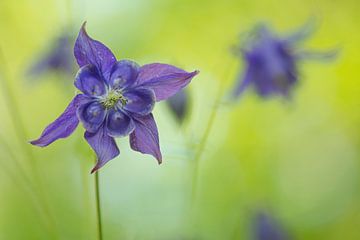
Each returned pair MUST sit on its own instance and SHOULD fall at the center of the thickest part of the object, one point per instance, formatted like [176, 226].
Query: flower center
[113, 97]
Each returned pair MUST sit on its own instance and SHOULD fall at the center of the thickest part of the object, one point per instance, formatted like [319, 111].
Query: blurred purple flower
[117, 100]
[266, 228]
[271, 62]
[58, 58]
[179, 105]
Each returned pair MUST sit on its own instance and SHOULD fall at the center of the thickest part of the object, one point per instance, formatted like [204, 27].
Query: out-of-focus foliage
[300, 159]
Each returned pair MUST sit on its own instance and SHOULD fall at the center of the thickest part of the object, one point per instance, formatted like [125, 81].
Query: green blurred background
[298, 160]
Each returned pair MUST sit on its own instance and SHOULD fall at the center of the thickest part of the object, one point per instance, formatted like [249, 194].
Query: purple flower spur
[271, 61]
[117, 100]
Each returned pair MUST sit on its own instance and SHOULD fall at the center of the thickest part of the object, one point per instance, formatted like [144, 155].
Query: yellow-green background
[298, 160]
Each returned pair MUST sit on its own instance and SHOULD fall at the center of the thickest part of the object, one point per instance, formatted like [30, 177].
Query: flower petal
[271, 68]
[64, 125]
[244, 80]
[323, 56]
[90, 51]
[262, 78]
[89, 81]
[123, 74]
[165, 80]
[303, 32]
[59, 58]
[118, 124]
[140, 101]
[92, 115]
[145, 138]
[104, 146]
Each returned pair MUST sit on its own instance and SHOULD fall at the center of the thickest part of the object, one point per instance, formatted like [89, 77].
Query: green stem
[98, 206]
[202, 144]
[24, 185]
[205, 137]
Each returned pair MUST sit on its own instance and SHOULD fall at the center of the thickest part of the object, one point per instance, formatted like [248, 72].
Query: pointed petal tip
[94, 170]
[83, 26]
[34, 142]
[38, 143]
[194, 73]
[159, 159]
[83, 30]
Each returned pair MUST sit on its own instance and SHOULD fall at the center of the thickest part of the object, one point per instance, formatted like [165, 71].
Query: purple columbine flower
[117, 100]
[58, 58]
[271, 61]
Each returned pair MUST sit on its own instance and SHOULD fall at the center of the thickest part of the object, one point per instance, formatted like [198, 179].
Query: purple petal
[64, 125]
[92, 115]
[104, 146]
[271, 68]
[243, 82]
[123, 74]
[145, 138]
[89, 81]
[119, 124]
[165, 80]
[262, 79]
[90, 51]
[140, 101]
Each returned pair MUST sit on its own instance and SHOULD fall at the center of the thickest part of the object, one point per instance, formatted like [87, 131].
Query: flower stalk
[203, 143]
[204, 140]
[98, 206]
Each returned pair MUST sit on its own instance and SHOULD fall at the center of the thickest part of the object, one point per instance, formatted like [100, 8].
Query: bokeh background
[296, 161]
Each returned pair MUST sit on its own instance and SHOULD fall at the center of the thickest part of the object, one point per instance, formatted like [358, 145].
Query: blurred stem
[13, 109]
[21, 185]
[23, 174]
[20, 132]
[203, 142]
[205, 137]
[98, 205]
[15, 115]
